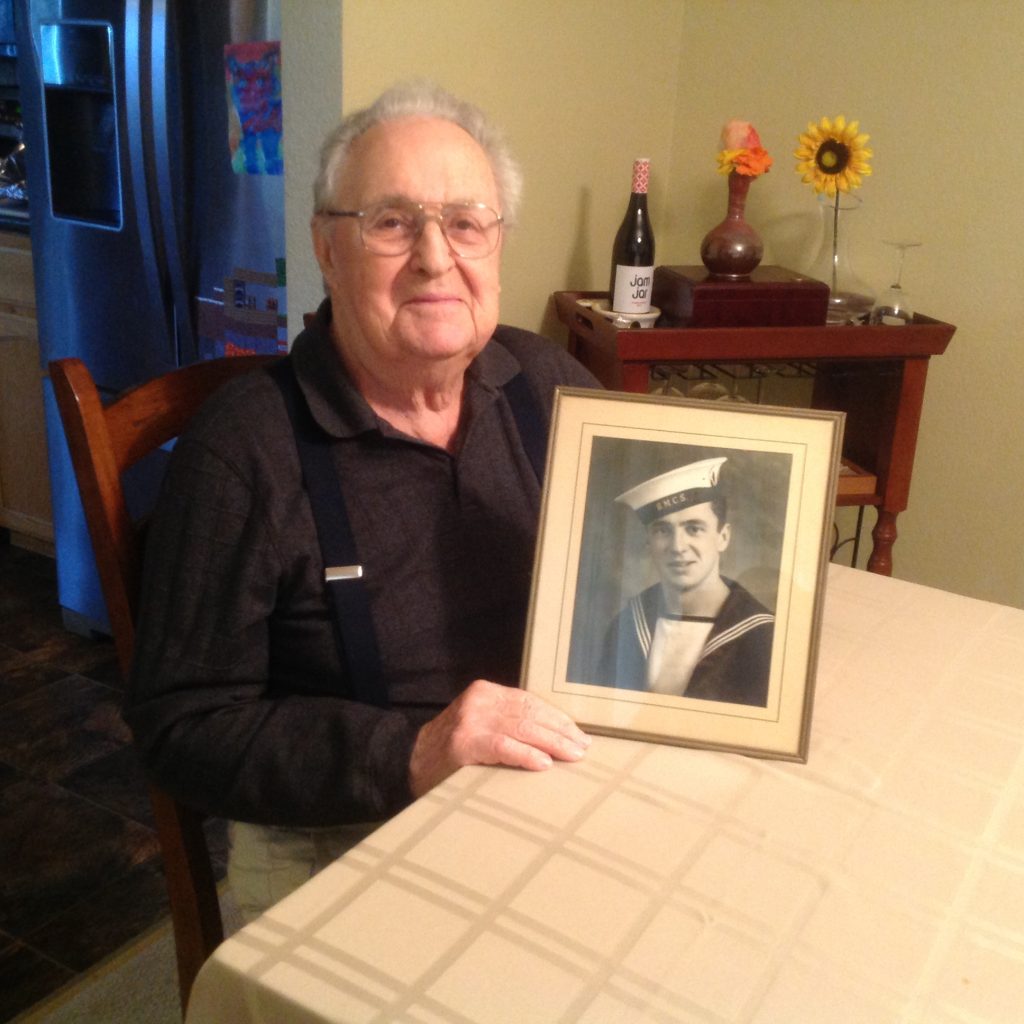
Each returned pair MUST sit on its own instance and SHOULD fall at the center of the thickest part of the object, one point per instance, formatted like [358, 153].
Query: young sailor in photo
[694, 633]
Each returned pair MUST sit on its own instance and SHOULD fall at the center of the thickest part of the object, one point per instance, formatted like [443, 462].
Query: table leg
[636, 377]
[884, 535]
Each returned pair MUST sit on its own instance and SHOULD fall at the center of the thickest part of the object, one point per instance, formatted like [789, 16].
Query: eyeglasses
[390, 228]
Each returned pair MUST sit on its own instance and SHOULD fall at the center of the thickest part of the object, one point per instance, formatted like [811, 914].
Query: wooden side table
[875, 374]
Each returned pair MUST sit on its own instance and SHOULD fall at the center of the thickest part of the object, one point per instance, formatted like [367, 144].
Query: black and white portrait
[679, 570]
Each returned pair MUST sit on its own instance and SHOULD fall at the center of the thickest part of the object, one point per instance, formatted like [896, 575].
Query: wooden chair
[104, 442]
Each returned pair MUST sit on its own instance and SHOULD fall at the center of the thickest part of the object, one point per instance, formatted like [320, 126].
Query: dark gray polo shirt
[238, 700]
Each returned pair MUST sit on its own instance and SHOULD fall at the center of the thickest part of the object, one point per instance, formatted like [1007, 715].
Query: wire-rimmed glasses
[391, 227]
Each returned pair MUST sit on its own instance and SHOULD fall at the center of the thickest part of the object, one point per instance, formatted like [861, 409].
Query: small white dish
[625, 319]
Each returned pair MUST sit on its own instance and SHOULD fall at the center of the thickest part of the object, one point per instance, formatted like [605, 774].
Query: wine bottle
[633, 252]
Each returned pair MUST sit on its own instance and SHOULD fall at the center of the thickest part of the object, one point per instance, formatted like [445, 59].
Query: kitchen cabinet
[24, 479]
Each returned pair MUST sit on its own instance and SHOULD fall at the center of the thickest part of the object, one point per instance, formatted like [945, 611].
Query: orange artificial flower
[742, 151]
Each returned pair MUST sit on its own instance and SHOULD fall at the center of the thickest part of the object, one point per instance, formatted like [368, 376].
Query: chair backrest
[104, 441]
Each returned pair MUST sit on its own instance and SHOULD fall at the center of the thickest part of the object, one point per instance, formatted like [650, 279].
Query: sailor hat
[675, 490]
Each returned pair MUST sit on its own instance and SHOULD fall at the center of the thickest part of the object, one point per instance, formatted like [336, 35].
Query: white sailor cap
[675, 490]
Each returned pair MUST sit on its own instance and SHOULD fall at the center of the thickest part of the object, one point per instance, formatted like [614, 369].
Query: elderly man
[395, 453]
[694, 633]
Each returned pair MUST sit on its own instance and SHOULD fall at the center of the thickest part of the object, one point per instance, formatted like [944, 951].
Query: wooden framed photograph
[680, 569]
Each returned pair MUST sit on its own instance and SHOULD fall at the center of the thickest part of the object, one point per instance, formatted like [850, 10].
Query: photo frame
[659, 613]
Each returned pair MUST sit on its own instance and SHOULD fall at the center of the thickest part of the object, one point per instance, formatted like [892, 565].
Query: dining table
[881, 880]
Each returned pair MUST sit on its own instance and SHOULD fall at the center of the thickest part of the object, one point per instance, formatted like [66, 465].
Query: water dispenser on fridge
[80, 122]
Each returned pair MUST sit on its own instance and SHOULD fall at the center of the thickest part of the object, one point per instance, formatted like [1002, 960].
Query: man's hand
[493, 724]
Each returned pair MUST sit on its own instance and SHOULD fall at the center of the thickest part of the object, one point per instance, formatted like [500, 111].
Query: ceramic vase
[732, 249]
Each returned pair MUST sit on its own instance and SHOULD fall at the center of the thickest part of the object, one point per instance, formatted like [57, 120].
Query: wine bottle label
[632, 289]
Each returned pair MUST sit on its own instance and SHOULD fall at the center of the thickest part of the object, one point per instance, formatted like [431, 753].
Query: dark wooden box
[770, 297]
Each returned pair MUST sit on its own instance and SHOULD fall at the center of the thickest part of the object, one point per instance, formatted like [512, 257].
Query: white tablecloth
[881, 881]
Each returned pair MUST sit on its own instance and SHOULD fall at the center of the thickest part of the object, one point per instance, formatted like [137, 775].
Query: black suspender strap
[530, 422]
[346, 589]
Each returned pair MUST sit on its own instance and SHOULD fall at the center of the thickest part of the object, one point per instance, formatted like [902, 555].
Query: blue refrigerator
[153, 132]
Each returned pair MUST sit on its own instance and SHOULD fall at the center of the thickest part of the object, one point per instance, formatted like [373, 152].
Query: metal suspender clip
[333, 573]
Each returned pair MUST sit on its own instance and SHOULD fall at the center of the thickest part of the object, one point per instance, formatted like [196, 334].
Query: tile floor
[80, 868]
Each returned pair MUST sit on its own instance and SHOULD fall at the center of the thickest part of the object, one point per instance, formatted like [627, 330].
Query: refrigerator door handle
[164, 67]
[138, 103]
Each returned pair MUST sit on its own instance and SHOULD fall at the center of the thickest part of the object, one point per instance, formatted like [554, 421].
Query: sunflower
[833, 156]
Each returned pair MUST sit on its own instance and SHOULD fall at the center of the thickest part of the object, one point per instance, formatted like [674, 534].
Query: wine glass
[893, 306]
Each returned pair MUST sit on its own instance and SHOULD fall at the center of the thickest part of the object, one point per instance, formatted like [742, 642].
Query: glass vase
[732, 249]
[850, 298]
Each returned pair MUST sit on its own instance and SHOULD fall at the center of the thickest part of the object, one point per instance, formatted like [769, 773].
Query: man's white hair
[420, 99]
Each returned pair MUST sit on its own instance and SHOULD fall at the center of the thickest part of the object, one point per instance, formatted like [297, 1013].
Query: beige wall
[938, 88]
[311, 86]
[582, 87]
